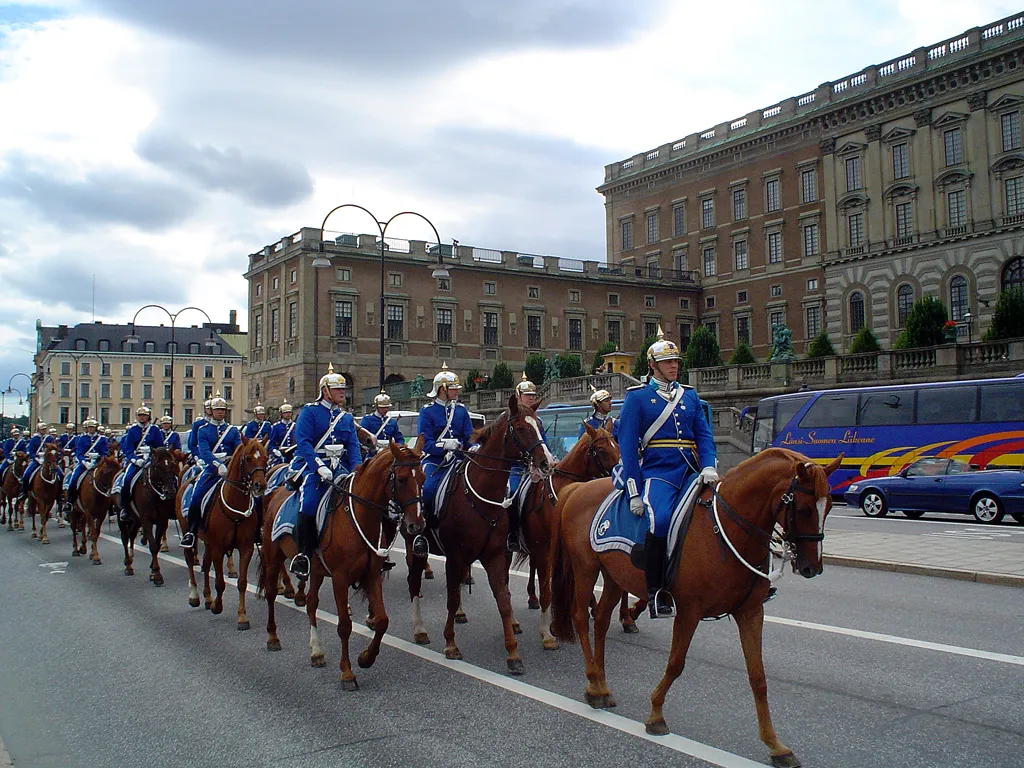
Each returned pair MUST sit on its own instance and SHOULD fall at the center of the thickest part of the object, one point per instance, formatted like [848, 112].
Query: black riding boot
[195, 517]
[305, 541]
[512, 543]
[659, 602]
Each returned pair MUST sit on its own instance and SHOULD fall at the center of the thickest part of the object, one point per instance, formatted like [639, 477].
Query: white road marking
[672, 741]
[980, 528]
[55, 567]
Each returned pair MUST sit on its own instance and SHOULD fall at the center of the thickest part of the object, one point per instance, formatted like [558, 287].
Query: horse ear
[513, 405]
[590, 430]
[245, 440]
[833, 465]
[417, 447]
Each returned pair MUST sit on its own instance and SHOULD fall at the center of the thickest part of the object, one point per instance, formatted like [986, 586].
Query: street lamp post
[132, 338]
[20, 396]
[321, 261]
[3, 405]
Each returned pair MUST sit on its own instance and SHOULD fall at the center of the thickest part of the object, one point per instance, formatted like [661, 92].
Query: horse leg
[127, 542]
[585, 577]
[543, 567]
[157, 532]
[74, 537]
[531, 589]
[750, 623]
[207, 562]
[454, 573]
[193, 585]
[316, 649]
[272, 561]
[31, 506]
[497, 575]
[244, 557]
[284, 585]
[374, 590]
[94, 537]
[602, 619]
[163, 542]
[626, 618]
[219, 584]
[341, 585]
[44, 518]
[415, 580]
[683, 627]
[232, 571]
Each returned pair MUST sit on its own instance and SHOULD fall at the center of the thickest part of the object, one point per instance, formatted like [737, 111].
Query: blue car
[942, 485]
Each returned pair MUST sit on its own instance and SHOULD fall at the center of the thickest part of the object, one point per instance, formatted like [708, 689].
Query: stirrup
[772, 594]
[387, 565]
[125, 515]
[299, 566]
[667, 607]
[512, 543]
[420, 547]
[188, 540]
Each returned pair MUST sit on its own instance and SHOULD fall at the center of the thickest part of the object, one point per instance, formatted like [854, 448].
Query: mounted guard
[172, 440]
[216, 440]
[11, 444]
[381, 424]
[601, 401]
[444, 423]
[89, 448]
[665, 441]
[67, 443]
[193, 446]
[141, 437]
[33, 449]
[259, 428]
[529, 398]
[319, 425]
[282, 435]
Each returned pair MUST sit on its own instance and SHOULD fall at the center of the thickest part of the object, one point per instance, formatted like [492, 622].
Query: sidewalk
[987, 562]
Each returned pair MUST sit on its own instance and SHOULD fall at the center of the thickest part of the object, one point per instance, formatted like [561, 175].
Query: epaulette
[636, 386]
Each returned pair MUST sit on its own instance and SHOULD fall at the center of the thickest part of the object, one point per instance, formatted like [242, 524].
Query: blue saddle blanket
[616, 528]
[287, 516]
[438, 486]
[186, 497]
[277, 478]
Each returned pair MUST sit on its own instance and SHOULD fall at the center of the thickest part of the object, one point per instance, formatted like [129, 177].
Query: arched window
[1013, 275]
[958, 304]
[193, 348]
[79, 343]
[257, 391]
[291, 386]
[150, 346]
[904, 301]
[104, 345]
[856, 311]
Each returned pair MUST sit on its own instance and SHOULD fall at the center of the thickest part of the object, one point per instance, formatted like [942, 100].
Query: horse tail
[261, 576]
[563, 580]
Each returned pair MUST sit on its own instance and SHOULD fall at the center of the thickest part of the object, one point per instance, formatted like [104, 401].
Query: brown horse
[775, 487]
[93, 503]
[474, 522]
[594, 455]
[230, 525]
[153, 502]
[44, 490]
[10, 489]
[360, 529]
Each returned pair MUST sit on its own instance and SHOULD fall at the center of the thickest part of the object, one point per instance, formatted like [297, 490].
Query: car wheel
[987, 509]
[1019, 517]
[873, 504]
[913, 514]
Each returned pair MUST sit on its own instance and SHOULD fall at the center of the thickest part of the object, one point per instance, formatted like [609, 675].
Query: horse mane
[795, 460]
[481, 435]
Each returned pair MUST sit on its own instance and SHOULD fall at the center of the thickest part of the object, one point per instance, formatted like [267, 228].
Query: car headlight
[853, 488]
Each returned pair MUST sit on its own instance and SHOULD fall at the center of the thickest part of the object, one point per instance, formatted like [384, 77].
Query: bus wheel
[873, 505]
[987, 509]
[913, 514]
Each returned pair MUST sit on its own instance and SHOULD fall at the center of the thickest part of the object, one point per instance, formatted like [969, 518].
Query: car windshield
[928, 468]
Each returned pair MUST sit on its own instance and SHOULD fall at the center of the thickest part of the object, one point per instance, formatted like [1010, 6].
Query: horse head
[249, 467]
[803, 505]
[523, 440]
[51, 457]
[104, 473]
[20, 462]
[406, 482]
[602, 452]
[163, 475]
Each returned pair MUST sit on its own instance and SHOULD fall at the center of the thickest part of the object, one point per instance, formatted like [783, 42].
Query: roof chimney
[232, 317]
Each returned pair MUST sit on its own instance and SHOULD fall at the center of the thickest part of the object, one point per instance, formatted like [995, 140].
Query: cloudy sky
[154, 144]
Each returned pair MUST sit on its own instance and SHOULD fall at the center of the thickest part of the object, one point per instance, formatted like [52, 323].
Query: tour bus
[562, 423]
[882, 429]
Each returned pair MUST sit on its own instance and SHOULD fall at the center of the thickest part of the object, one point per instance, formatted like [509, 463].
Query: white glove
[277, 454]
[383, 445]
[709, 475]
[449, 444]
[222, 470]
[139, 462]
[89, 465]
[636, 506]
[325, 474]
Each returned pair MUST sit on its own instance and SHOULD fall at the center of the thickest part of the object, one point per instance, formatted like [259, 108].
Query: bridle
[245, 485]
[593, 457]
[42, 469]
[163, 495]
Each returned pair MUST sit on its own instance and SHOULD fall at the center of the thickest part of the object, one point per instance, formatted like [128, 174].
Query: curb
[981, 577]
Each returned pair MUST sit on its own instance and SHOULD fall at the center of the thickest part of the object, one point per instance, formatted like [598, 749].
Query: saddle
[287, 516]
[438, 488]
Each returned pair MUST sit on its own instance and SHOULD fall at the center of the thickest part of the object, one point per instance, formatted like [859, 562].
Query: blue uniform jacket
[208, 436]
[137, 435]
[172, 440]
[64, 439]
[597, 422]
[257, 429]
[345, 433]
[282, 436]
[191, 442]
[372, 422]
[90, 444]
[431, 425]
[640, 410]
[313, 423]
[21, 445]
[36, 442]
[9, 444]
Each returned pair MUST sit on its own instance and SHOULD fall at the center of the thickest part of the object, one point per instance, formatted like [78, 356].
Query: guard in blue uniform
[172, 440]
[35, 458]
[141, 437]
[191, 443]
[9, 447]
[67, 442]
[528, 397]
[665, 440]
[380, 424]
[88, 447]
[444, 423]
[216, 440]
[259, 427]
[319, 424]
[282, 435]
[601, 400]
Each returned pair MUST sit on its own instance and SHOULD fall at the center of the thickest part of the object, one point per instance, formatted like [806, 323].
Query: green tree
[865, 341]
[604, 349]
[742, 355]
[640, 367]
[569, 365]
[821, 346]
[923, 327]
[501, 377]
[535, 365]
[703, 350]
[1008, 317]
[471, 378]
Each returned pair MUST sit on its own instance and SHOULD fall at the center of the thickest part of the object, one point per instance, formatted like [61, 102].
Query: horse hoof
[208, 606]
[656, 727]
[429, 575]
[515, 666]
[461, 618]
[421, 638]
[630, 629]
[551, 644]
[34, 536]
[75, 553]
[217, 610]
[97, 561]
[273, 645]
[369, 622]
[289, 594]
[82, 550]
[44, 541]
[300, 601]
[163, 548]
[61, 525]
[194, 602]
[129, 572]
[158, 582]
[453, 654]
[603, 701]
[533, 604]
[365, 660]
[516, 629]
[317, 661]
[243, 625]
[787, 760]
[349, 684]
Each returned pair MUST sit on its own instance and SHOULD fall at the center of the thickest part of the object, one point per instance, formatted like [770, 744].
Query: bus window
[831, 410]
[947, 405]
[883, 408]
[1002, 402]
[786, 409]
[764, 426]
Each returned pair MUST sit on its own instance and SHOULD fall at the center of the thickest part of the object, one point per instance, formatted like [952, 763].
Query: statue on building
[782, 344]
[416, 388]
[550, 370]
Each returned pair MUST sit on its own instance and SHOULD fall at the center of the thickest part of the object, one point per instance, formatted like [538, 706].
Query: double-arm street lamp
[21, 398]
[132, 339]
[3, 406]
[322, 261]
